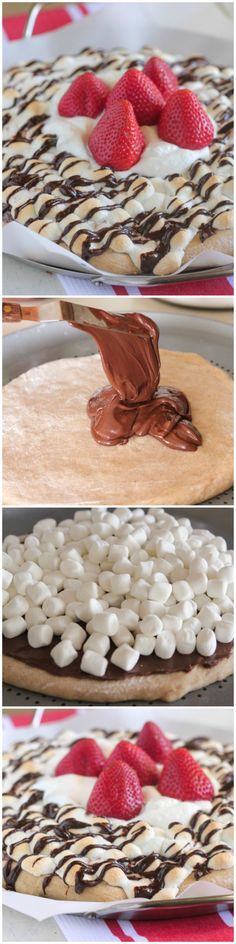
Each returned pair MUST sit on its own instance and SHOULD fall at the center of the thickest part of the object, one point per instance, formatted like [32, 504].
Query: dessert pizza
[108, 816]
[111, 606]
[124, 159]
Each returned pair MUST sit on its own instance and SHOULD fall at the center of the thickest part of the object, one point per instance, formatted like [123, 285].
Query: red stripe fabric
[49, 716]
[218, 286]
[117, 932]
[47, 21]
[201, 928]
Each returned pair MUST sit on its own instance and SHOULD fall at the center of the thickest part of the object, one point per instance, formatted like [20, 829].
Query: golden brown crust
[122, 264]
[50, 454]
[169, 686]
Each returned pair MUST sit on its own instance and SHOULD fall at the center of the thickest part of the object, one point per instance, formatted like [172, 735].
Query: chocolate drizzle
[135, 404]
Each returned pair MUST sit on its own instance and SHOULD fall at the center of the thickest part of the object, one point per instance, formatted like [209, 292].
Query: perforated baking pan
[219, 520]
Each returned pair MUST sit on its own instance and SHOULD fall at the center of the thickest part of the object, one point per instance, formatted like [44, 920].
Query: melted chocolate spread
[135, 404]
[19, 648]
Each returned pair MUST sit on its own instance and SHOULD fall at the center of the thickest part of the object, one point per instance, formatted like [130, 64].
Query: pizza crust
[168, 687]
[50, 455]
[121, 264]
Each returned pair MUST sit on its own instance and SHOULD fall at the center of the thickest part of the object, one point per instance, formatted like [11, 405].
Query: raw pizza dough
[50, 455]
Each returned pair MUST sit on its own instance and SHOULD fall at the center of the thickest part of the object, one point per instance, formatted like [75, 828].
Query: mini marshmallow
[139, 589]
[144, 570]
[185, 641]
[120, 583]
[98, 551]
[64, 653]
[165, 645]
[54, 579]
[40, 635]
[127, 618]
[6, 579]
[44, 524]
[198, 582]
[123, 635]
[125, 657]
[21, 582]
[130, 604]
[150, 607]
[150, 626]
[17, 606]
[174, 623]
[123, 567]
[48, 561]
[59, 624]
[38, 592]
[193, 624]
[208, 616]
[93, 663]
[71, 568]
[87, 590]
[160, 591]
[84, 611]
[53, 607]
[34, 616]
[206, 642]
[5, 597]
[98, 643]
[186, 609]
[145, 645]
[182, 590]
[163, 566]
[105, 579]
[30, 567]
[117, 552]
[106, 623]
[76, 634]
[224, 631]
[13, 627]
[216, 588]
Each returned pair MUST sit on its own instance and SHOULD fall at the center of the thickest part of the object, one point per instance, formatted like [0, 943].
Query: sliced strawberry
[86, 96]
[184, 122]
[137, 759]
[154, 742]
[85, 758]
[117, 792]
[183, 778]
[117, 140]
[162, 76]
[147, 101]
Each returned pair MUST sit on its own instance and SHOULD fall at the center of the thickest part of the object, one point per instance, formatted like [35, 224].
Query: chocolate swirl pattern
[58, 850]
[141, 221]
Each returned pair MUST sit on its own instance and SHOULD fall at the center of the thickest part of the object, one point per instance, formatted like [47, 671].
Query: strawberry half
[184, 779]
[147, 101]
[154, 742]
[85, 758]
[162, 76]
[86, 96]
[117, 140]
[184, 122]
[137, 759]
[117, 792]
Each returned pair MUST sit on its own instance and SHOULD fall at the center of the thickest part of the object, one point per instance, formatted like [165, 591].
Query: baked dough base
[57, 888]
[169, 686]
[120, 263]
[50, 456]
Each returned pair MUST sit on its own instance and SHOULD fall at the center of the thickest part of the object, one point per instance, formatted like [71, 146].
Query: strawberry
[147, 101]
[162, 76]
[117, 792]
[85, 758]
[86, 96]
[154, 742]
[117, 140]
[184, 122]
[137, 759]
[183, 778]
